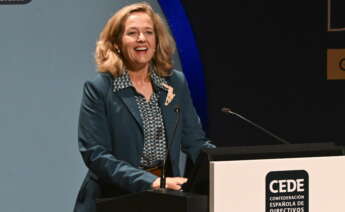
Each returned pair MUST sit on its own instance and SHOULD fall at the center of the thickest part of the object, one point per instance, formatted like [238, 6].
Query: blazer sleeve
[193, 136]
[95, 142]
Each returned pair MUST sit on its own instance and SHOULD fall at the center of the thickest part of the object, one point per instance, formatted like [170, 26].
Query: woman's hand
[173, 183]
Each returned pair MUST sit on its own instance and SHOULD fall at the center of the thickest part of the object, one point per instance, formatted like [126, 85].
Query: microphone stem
[263, 129]
[163, 177]
[165, 161]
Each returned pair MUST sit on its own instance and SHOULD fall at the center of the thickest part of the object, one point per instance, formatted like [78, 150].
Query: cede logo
[335, 64]
[14, 1]
[287, 191]
[342, 64]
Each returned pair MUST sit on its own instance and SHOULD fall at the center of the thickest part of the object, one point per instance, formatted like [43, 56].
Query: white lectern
[315, 184]
[273, 178]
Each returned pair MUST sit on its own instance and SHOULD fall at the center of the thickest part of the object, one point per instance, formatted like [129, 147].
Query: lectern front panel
[314, 184]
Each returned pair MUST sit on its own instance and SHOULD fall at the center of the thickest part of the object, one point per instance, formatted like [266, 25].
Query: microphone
[165, 164]
[230, 112]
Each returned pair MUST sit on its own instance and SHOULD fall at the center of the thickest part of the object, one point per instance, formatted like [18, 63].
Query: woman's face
[138, 42]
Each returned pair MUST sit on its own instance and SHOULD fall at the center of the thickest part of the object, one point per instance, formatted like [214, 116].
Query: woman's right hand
[173, 183]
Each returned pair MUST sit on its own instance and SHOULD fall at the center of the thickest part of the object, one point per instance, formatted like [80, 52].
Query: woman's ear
[117, 48]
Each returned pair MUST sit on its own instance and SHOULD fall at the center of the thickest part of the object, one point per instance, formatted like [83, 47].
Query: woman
[136, 110]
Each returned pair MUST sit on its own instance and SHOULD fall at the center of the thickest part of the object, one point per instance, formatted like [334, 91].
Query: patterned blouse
[153, 126]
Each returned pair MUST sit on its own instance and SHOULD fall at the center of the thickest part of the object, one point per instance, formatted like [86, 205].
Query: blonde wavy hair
[108, 58]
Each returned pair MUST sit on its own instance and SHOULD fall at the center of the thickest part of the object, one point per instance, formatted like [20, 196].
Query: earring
[118, 51]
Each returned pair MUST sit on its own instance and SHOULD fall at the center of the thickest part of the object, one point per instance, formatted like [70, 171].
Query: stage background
[266, 60]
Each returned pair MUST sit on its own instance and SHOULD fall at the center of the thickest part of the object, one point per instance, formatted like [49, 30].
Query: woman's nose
[141, 37]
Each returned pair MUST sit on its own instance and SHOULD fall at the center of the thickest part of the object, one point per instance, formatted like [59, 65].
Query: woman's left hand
[173, 183]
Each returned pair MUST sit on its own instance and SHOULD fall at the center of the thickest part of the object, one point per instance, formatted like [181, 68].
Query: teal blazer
[110, 137]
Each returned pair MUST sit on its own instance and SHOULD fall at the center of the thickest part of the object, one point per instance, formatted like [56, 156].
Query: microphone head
[226, 110]
[177, 108]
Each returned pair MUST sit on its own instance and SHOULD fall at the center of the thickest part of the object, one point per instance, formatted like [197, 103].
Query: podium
[314, 184]
[155, 201]
[278, 178]
[271, 178]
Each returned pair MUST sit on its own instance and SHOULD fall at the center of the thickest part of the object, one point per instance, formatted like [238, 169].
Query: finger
[173, 183]
[181, 180]
[174, 186]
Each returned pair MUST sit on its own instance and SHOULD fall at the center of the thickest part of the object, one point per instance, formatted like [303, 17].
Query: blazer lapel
[127, 96]
[169, 116]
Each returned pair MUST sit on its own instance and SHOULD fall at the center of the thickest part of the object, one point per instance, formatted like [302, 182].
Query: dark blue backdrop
[266, 60]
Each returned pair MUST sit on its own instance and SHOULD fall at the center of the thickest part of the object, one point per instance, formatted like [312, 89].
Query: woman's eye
[131, 33]
[149, 32]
